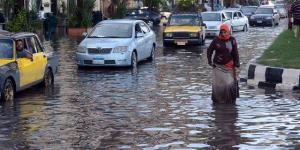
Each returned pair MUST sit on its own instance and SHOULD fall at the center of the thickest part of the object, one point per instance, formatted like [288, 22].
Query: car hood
[263, 15]
[4, 62]
[105, 42]
[212, 23]
[182, 29]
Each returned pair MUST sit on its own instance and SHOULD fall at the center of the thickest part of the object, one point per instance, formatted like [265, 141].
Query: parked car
[281, 8]
[239, 22]
[146, 15]
[183, 29]
[117, 43]
[265, 15]
[18, 73]
[213, 21]
[248, 10]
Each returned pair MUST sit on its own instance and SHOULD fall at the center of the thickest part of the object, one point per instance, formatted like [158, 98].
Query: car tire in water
[134, 60]
[245, 29]
[48, 78]
[8, 91]
[152, 55]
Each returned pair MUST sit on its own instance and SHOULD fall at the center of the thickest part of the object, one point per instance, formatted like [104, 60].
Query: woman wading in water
[226, 59]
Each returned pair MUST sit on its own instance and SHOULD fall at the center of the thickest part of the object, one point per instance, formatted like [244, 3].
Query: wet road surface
[164, 105]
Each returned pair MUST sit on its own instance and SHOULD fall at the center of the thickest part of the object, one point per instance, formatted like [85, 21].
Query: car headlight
[269, 18]
[168, 35]
[193, 34]
[81, 49]
[252, 17]
[120, 49]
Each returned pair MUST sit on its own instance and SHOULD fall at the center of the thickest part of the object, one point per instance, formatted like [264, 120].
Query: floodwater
[165, 104]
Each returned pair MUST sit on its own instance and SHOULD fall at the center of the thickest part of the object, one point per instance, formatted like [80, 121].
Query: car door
[139, 42]
[39, 58]
[243, 20]
[26, 66]
[148, 38]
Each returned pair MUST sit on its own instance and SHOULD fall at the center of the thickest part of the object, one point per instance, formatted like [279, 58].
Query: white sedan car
[117, 43]
[239, 22]
[213, 21]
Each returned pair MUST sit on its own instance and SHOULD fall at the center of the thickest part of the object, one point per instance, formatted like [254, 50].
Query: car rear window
[264, 11]
[6, 49]
[211, 16]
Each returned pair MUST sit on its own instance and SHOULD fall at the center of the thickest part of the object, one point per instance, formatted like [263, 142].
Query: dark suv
[143, 14]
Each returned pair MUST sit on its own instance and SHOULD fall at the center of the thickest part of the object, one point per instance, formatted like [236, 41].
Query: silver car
[117, 43]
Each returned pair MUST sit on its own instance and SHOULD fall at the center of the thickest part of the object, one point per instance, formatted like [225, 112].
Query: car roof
[119, 21]
[213, 12]
[249, 6]
[231, 10]
[185, 14]
[12, 35]
[266, 6]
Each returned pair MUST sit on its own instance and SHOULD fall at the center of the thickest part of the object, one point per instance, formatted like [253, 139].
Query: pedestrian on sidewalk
[295, 10]
[225, 61]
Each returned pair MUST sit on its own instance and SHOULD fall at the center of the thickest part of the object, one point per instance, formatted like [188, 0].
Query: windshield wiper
[95, 37]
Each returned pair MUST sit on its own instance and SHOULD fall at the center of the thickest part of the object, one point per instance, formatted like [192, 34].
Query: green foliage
[186, 5]
[120, 11]
[284, 52]
[25, 21]
[81, 16]
[154, 4]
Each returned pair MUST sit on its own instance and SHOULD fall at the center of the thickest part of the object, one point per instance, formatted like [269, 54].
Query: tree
[186, 5]
[154, 4]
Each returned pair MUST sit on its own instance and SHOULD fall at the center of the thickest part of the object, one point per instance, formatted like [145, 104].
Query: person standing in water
[224, 62]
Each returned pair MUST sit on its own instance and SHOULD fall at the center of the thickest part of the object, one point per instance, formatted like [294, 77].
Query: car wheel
[152, 55]
[203, 41]
[245, 29]
[134, 60]
[8, 91]
[48, 78]
[166, 44]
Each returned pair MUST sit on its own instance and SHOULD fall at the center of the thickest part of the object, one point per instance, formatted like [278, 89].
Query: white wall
[46, 9]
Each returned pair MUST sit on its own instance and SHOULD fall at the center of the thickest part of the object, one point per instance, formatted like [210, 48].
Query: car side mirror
[139, 35]
[84, 34]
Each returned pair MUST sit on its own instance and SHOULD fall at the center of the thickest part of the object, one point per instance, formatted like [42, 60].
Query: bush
[82, 16]
[25, 21]
[120, 11]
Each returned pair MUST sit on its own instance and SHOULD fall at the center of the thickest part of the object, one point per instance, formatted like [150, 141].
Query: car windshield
[137, 12]
[279, 6]
[184, 20]
[112, 30]
[228, 14]
[248, 10]
[211, 16]
[264, 11]
[6, 49]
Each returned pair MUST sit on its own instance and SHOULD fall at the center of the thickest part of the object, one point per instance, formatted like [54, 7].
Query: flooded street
[164, 105]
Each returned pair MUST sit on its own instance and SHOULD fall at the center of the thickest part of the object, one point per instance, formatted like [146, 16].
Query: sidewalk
[279, 66]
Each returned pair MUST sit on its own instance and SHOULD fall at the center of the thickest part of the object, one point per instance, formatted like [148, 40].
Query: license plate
[259, 21]
[180, 42]
[98, 61]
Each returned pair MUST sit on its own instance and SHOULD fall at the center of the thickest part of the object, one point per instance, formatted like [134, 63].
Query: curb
[272, 77]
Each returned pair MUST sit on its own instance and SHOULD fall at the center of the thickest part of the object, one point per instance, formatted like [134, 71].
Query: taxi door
[26, 68]
[39, 58]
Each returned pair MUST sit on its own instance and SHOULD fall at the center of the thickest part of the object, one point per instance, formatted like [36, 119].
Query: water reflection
[164, 104]
[225, 134]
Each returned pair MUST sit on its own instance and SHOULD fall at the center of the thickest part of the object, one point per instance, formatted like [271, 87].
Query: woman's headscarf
[227, 36]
